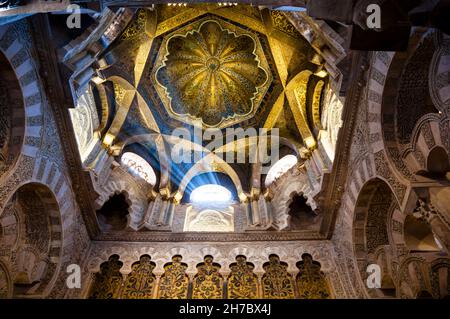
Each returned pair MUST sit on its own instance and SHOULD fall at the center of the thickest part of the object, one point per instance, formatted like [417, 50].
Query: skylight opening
[211, 194]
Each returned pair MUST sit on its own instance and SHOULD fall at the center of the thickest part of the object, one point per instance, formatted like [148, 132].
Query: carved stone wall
[389, 145]
[209, 282]
[41, 162]
[374, 156]
[246, 262]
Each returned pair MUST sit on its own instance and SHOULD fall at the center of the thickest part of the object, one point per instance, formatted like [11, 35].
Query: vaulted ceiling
[206, 66]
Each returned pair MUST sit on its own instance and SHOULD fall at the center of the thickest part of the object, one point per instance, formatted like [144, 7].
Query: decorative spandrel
[212, 72]
[207, 283]
[141, 281]
[108, 281]
[277, 282]
[174, 282]
[242, 282]
[311, 282]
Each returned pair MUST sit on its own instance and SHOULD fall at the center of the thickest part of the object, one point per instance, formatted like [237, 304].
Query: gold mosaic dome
[212, 74]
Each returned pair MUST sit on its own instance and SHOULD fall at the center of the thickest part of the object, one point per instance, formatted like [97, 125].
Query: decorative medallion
[212, 73]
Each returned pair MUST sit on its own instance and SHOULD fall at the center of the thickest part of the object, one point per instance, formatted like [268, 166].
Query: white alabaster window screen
[280, 167]
[138, 167]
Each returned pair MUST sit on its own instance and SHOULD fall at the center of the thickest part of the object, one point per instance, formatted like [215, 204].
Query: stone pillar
[260, 287]
[260, 212]
[156, 286]
[294, 282]
[159, 213]
[225, 276]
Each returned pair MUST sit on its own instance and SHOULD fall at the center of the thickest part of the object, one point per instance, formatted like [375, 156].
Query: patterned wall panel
[108, 281]
[174, 282]
[311, 282]
[207, 282]
[141, 281]
[244, 279]
[242, 282]
[277, 283]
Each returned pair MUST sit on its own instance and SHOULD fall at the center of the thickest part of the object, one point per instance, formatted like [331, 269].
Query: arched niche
[207, 282]
[141, 282]
[12, 116]
[32, 237]
[114, 213]
[373, 212]
[301, 215]
[174, 282]
[242, 282]
[382, 258]
[414, 279]
[152, 154]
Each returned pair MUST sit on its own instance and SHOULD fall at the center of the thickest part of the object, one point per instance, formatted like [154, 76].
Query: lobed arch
[313, 280]
[137, 204]
[286, 188]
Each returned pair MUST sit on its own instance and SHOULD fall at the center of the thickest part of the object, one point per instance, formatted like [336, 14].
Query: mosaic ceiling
[205, 66]
[212, 71]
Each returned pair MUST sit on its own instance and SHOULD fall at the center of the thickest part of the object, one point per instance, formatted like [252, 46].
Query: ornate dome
[212, 74]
